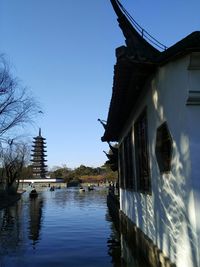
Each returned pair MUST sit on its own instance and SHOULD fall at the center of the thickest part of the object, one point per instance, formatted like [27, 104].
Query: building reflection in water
[35, 213]
[114, 250]
[122, 255]
[14, 232]
[114, 245]
[130, 256]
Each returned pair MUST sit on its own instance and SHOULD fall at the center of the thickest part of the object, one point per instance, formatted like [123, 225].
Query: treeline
[85, 174]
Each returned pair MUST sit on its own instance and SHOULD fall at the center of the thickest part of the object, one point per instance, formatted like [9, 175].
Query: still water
[60, 228]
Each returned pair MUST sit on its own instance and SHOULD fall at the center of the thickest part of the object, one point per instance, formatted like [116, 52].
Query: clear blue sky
[64, 52]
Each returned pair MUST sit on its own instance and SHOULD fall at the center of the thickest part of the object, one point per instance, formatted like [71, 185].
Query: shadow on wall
[165, 216]
[175, 234]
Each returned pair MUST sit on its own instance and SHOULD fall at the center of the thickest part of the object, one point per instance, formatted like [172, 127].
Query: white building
[154, 115]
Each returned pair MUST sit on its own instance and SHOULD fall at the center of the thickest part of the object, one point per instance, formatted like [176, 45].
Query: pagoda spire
[40, 132]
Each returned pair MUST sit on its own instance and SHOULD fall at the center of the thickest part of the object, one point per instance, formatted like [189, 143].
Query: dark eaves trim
[190, 43]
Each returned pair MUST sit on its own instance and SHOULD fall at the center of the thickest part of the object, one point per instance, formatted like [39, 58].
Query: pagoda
[38, 157]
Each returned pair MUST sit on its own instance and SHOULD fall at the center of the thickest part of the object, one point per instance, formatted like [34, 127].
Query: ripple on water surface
[61, 228]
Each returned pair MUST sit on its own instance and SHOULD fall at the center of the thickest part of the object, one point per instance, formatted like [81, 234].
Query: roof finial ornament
[130, 26]
[40, 132]
[103, 122]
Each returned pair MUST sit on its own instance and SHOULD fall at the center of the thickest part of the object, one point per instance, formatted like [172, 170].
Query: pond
[64, 227]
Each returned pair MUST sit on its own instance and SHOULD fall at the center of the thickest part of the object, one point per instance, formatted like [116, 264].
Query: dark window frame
[126, 163]
[164, 148]
[129, 161]
[121, 166]
[142, 153]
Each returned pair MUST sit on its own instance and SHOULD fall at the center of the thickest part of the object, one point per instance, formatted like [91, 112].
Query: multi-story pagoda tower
[38, 157]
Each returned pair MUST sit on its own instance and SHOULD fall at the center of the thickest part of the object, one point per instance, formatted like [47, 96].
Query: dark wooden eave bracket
[128, 82]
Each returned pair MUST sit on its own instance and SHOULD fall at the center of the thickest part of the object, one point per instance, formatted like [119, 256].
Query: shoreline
[9, 200]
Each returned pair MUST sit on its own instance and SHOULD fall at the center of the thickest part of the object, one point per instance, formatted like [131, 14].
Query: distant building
[38, 157]
[154, 115]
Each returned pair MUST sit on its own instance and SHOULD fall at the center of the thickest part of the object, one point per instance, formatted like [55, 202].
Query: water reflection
[61, 228]
[114, 248]
[35, 212]
[10, 229]
[130, 257]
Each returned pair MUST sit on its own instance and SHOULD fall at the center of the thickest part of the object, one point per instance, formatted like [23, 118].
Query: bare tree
[17, 107]
[14, 158]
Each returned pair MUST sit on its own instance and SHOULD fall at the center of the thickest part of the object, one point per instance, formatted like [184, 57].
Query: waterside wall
[139, 245]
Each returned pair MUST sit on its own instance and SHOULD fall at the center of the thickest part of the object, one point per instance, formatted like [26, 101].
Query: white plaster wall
[194, 196]
[168, 215]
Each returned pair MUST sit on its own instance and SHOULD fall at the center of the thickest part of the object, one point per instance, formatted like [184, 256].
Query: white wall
[168, 216]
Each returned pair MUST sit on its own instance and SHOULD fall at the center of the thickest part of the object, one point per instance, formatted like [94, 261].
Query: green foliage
[85, 173]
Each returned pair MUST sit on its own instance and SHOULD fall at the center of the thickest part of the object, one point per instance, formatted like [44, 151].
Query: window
[141, 153]
[121, 166]
[163, 148]
[126, 169]
[128, 160]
